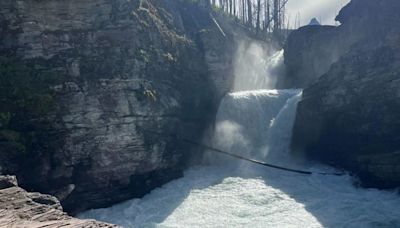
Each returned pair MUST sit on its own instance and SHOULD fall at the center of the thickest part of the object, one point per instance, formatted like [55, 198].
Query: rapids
[230, 193]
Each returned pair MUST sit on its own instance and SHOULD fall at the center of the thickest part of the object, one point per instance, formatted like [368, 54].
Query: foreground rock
[19, 208]
[83, 82]
[349, 116]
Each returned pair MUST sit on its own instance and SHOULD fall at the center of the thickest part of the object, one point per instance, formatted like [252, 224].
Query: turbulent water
[228, 193]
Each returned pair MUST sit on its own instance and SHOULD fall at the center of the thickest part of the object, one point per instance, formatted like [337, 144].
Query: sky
[324, 10]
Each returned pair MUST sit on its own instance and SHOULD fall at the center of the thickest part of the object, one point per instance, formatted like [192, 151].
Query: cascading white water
[253, 63]
[228, 193]
[257, 123]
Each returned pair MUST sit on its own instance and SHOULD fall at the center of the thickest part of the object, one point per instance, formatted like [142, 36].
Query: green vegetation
[23, 88]
[25, 95]
[5, 118]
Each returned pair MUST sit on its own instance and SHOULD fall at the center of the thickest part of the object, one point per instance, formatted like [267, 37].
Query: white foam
[225, 197]
[245, 195]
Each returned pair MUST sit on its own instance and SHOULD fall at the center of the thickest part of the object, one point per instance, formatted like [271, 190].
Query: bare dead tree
[279, 16]
[258, 16]
[243, 11]
[249, 13]
[275, 15]
[268, 17]
[263, 15]
[234, 8]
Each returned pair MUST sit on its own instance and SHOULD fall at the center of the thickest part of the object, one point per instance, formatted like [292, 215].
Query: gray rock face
[91, 78]
[349, 117]
[311, 50]
[19, 208]
[308, 54]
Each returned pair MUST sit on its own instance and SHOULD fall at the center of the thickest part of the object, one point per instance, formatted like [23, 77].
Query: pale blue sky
[324, 10]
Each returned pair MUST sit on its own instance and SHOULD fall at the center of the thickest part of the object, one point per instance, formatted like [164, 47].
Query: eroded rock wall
[309, 53]
[83, 82]
[349, 116]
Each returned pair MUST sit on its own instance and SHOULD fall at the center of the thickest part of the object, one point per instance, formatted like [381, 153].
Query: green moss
[8, 135]
[25, 95]
[13, 148]
[41, 103]
[5, 118]
[24, 88]
[216, 9]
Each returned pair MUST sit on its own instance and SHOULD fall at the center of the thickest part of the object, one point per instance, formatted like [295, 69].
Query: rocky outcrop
[19, 208]
[311, 50]
[349, 116]
[83, 82]
[309, 53]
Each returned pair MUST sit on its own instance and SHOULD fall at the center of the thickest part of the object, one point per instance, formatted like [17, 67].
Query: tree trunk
[258, 16]
[243, 12]
[234, 8]
[275, 16]
[249, 13]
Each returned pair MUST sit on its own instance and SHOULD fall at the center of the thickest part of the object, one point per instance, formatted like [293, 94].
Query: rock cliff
[309, 53]
[349, 116]
[83, 81]
[19, 208]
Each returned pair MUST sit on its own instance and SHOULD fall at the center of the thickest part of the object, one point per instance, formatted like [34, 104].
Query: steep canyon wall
[83, 81]
[349, 116]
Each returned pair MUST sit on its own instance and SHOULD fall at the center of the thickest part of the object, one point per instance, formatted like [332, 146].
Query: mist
[257, 66]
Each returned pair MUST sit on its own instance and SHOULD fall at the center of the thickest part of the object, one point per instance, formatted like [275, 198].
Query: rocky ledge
[349, 115]
[19, 208]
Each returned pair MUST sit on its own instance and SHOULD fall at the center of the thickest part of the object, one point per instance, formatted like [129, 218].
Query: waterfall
[257, 124]
[255, 68]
